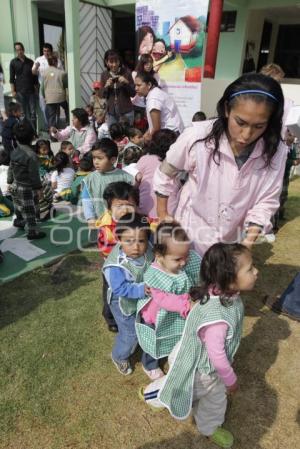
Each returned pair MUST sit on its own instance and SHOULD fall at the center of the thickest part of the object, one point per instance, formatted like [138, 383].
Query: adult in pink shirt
[147, 165]
[235, 165]
[81, 134]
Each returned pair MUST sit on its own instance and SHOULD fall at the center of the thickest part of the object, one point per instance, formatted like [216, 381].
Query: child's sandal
[142, 398]
[222, 437]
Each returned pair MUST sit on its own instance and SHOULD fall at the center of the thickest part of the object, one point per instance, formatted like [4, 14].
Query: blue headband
[253, 91]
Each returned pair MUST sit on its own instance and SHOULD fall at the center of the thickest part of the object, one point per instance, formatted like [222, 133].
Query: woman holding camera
[118, 88]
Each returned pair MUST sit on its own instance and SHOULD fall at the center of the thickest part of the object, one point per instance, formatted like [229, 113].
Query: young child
[90, 110]
[131, 156]
[96, 100]
[121, 198]
[201, 375]
[25, 179]
[62, 177]
[85, 168]
[105, 154]
[123, 270]
[147, 165]
[117, 134]
[199, 116]
[101, 125]
[68, 148]
[174, 271]
[45, 156]
[135, 137]
[8, 139]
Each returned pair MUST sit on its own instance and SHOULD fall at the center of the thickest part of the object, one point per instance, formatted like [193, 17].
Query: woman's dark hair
[161, 142]
[142, 32]
[218, 271]
[111, 54]
[132, 154]
[250, 81]
[43, 142]
[147, 77]
[61, 161]
[81, 115]
[107, 146]
[144, 59]
[132, 220]
[120, 191]
[166, 231]
[117, 131]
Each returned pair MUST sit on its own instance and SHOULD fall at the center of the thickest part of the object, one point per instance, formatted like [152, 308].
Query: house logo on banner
[173, 33]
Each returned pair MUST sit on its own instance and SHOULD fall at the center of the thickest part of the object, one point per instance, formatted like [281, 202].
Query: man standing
[23, 83]
[39, 67]
[53, 89]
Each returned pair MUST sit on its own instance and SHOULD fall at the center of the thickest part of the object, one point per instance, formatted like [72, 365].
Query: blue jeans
[126, 340]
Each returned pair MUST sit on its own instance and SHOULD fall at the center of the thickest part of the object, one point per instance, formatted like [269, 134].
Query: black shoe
[34, 235]
[113, 328]
[17, 223]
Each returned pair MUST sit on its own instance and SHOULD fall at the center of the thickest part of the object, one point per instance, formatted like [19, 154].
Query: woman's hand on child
[232, 388]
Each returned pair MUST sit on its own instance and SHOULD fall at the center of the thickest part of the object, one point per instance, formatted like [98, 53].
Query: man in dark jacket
[23, 83]
[8, 140]
[24, 177]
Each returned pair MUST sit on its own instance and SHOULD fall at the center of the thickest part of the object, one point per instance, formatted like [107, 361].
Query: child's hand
[233, 388]
[92, 223]
[147, 290]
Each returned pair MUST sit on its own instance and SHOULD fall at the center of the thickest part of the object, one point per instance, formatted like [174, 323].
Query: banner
[173, 31]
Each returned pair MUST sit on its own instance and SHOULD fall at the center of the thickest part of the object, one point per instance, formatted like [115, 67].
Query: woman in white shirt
[161, 109]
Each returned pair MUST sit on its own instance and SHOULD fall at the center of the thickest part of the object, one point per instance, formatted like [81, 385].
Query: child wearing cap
[96, 100]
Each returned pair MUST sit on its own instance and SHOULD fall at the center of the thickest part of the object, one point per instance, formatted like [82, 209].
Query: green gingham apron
[191, 355]
[159, 341]
[128, 306]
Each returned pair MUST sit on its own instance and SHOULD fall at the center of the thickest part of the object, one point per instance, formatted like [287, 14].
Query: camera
[115, 79]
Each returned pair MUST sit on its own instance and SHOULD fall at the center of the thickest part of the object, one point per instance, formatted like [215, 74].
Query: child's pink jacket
[218, 201]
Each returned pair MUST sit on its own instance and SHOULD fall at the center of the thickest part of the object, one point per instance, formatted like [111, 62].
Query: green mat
[66, 232]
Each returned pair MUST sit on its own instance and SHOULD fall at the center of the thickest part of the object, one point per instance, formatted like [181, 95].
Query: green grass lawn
[59, 389]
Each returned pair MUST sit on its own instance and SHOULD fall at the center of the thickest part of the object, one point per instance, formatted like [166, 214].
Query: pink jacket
[218, 201]
[89, 140]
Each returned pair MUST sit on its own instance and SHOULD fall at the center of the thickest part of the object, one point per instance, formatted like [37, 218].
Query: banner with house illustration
[173, 32]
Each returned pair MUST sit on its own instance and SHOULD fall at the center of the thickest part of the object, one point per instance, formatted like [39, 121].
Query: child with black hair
[8, 139]
[201, 375]
[174, 271]
[199, 116]
[24, 178]
[118, 134]
[90, 110]
[45, 155]
[105, 154]
[156, 152]
[121, 198]
[85, 168]
[124, 269]
[131, 156]
[135, 137]
[62, 177]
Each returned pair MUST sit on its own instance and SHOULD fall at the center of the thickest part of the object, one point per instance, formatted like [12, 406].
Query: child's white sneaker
[154, 374]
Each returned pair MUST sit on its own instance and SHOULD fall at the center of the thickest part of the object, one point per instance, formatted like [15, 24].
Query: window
[287, 53]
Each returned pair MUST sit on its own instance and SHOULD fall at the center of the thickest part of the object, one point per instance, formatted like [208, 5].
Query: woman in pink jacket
[235, 165]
